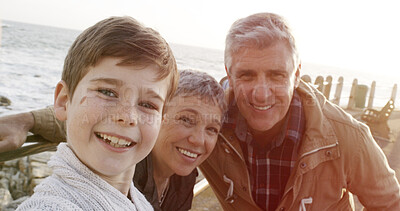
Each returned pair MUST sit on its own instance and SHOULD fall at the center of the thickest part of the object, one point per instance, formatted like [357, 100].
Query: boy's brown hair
[120, 37]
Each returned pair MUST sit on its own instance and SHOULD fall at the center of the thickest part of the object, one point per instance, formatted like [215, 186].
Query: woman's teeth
[187, 153]
[114, 141]
[263, 108]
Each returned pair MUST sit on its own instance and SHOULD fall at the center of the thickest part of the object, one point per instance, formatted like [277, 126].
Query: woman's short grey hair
[202, 85]
[258, 30]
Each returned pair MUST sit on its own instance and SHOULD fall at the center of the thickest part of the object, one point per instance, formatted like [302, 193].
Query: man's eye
[148, 105]
[107, 92]
[245, 76]
[278, 76]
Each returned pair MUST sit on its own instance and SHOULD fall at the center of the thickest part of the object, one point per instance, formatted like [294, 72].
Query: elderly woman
[189, 130]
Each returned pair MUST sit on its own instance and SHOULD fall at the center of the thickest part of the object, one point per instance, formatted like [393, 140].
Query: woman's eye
[186, 120]
[148, 105]
[107, 92]
[213, 130]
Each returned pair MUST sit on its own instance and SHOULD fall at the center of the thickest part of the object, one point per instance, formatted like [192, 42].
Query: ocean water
[32, 56]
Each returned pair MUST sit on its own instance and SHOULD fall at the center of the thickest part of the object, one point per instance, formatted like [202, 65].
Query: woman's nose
[197, 136]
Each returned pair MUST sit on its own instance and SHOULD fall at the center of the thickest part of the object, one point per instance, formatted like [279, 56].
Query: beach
[31, 63]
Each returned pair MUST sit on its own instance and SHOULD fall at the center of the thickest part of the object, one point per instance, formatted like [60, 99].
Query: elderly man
[283, 145]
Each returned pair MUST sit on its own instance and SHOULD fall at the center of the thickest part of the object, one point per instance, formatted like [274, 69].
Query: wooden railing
[35, 144]
[325, 86]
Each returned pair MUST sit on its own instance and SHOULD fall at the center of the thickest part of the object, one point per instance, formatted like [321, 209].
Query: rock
[11, 163]
[4, 101]
[20, 181]
[43, 157]
[14, 204]
[33, 184]
[19, 177]
[5, 197]
[4, 183]
[39, 170]
[23, 165]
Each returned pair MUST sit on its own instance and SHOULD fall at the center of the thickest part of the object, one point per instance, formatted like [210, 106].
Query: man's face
[263, 81]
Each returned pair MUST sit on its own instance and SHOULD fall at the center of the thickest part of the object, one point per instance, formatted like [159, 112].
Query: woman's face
[188, 134]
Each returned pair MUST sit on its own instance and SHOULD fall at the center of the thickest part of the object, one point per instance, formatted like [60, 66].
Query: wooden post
[338, 91]
[327, 86]
[394, 92]
[319, 81]
[352, 101]
[306, 78]
[371, 95]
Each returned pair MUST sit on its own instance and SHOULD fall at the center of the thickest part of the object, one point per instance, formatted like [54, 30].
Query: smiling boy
[117, 77]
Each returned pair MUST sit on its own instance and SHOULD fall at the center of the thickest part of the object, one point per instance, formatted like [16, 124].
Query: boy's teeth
[187, 153]
[114, 141]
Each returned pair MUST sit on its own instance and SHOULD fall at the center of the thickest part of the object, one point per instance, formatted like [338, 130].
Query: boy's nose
[127, 116]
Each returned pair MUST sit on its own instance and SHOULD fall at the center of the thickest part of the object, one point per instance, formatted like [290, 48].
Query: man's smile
[262, 108]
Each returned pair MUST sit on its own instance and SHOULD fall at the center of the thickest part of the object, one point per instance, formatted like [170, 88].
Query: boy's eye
[148, 105]
[107, 92]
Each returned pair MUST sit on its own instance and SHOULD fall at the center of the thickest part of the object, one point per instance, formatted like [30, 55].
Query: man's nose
[261, 90]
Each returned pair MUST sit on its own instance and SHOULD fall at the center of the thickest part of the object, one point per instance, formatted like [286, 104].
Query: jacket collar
[319, 133]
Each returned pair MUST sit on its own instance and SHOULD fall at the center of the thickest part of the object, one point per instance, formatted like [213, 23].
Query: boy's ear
[61, 99]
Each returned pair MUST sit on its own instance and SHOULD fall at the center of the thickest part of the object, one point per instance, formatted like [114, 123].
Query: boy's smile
[114, 116]
[116, 141]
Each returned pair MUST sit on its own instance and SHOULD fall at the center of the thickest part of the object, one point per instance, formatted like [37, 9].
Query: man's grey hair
[201, 85]
[258, 31]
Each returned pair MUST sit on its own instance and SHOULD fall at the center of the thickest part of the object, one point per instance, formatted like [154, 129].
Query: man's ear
[297, 76]
[229, 78]
[61, 99]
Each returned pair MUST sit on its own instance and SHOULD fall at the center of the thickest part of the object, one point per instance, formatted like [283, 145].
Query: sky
[354, 34]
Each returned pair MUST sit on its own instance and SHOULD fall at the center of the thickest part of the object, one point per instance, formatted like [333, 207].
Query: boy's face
[188, 134]
[114, 116]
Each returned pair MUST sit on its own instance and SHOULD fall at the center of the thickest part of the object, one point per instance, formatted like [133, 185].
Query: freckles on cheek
[82, 100]
[151, 120]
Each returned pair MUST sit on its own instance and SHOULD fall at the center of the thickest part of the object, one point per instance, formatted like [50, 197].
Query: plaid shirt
[270, 166]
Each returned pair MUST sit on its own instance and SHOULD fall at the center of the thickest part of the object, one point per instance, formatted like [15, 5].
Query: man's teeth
[263, 108]
[187, 153]
[114, 141]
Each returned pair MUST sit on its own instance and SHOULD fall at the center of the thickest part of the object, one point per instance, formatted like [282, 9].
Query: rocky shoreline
[19, 177]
